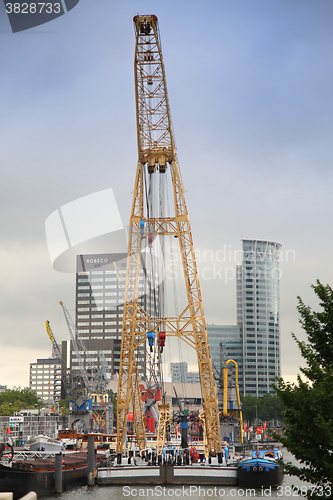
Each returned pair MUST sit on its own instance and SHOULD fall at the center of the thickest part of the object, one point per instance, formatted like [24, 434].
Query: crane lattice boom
[156, 154]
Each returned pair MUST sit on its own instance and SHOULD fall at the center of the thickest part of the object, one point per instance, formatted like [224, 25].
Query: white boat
[44, 443]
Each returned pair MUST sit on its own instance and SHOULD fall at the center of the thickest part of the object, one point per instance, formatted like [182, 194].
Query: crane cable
[176, 303]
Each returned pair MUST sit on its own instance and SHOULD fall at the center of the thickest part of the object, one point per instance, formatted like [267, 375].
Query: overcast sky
[250, 86]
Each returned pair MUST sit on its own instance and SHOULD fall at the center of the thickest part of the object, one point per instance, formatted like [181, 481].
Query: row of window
[94, 280]
[113, 330]
[253, 372]
[116, 296]
[52, 367]
[262, 342]
[93, 315]
[98, 323]
[103, 337]
[105, 271]
[92, 308]
[99, 287]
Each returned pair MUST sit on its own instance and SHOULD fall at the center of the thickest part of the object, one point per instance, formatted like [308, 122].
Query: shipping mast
[157, 154]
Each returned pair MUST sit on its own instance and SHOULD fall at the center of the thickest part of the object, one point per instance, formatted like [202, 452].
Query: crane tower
[157, 156]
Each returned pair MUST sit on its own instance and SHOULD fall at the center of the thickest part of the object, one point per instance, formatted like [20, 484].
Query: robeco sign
[97, 261]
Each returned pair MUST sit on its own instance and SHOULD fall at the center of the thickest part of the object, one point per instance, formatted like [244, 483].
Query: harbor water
[195, 492]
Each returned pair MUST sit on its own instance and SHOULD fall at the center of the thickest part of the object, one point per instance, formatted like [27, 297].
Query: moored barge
[38, 474]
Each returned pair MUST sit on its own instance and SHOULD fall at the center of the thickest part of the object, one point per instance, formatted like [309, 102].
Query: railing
[31, 455]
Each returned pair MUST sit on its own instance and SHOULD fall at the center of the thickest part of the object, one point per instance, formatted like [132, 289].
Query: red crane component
[161, 337]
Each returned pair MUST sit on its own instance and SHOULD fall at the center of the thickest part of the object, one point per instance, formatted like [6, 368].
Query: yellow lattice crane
[157, 154]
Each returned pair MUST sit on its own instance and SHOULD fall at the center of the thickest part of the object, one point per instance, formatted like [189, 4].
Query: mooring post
[58, 473]
[91, 461]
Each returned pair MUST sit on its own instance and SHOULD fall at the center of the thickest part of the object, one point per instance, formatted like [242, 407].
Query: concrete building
[258, 315]
[180, 374]
[190, 395]
[45, 379]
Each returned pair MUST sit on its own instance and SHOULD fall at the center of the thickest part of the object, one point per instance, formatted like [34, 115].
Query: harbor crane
[71, 383]
[157, 157]
[93, 378]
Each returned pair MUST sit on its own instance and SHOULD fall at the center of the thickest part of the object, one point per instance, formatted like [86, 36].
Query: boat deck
[168, 474]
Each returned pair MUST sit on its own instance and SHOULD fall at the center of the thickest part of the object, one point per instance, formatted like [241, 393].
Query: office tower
[45, 379]
[100, 286]
[258, 315]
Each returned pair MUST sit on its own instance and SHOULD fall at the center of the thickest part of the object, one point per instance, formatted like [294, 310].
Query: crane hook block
[151, 339]
[162, 340]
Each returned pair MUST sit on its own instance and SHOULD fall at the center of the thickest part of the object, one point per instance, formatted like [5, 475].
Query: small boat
[74, 440]
[44, 443]
[70, 438]
[263, 468]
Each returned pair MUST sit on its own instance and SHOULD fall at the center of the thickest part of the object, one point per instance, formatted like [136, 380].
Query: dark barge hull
[30, 476]
[258, 473]
[20, 482]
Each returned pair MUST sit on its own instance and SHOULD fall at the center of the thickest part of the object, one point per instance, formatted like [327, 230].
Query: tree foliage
[64, 406]
[265, 408]
[308, 404]
[17, 399]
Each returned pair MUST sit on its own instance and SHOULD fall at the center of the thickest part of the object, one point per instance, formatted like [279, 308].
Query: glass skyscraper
[232, 346]
[258, 315]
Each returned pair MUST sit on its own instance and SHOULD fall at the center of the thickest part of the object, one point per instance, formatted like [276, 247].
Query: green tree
[266, 408]
[17, 399]
[308, 404]
[270, 408]
[250, 408]
[64, 406]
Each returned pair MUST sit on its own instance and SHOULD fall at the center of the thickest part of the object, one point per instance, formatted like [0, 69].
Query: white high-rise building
[45, 379]
[258, 315]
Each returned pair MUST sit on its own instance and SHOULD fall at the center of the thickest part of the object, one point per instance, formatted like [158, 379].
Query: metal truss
[157, 152]
[164, 419]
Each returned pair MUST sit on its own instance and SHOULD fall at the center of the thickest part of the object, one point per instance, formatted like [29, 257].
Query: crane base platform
[168, 474]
